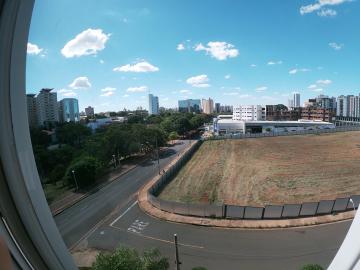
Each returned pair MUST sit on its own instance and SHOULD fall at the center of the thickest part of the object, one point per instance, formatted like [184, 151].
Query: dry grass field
[273, 170]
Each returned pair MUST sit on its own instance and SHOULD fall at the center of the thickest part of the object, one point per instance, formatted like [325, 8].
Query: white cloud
[200, 81]
[324, 82]
[336, 46]
[165, 99]
[228, 76]
[326, 12]
[107, 94]
[231, 94]
[33, 49]
[108, 91]
[312, 86]
[80, 83]
[185, 91]
[101, 61]
[67, 93]
[88, 42]
[318, 90]
[296, 70]
[137, 89]
[271, 63]
[261, 88]
[252, 65]
[218, 49]
[142, 66]
[126, 95]
[180, 47]
[319, 4]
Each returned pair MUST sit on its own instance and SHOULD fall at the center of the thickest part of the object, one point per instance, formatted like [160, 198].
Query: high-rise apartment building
[153, 104]
[31, 110]
[217, 107]
[354, 106]
[89, 112]
[47, 107]
[189, 105]
[207, 106]
[69, 110]
[249, 113]
[342, 106]
[296, 100]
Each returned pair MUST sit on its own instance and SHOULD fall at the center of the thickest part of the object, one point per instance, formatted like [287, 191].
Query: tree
[72, 133]
[86, 169]
[129, 259]
[173, 136]
[312, 267]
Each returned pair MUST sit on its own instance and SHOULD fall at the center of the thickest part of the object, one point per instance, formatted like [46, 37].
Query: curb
[151, 210]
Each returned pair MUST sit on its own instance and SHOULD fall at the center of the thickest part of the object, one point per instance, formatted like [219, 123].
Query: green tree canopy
[129, 259]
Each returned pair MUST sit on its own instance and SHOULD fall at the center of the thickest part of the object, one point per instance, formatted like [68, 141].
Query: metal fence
[286, 211]
[275, 134]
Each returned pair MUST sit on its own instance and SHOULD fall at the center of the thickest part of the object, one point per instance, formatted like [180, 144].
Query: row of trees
[84, 156]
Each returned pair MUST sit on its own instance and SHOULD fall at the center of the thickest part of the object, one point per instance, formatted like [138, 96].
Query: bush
[57, 173]
[312, 267]
[86, 169]
[129, 259]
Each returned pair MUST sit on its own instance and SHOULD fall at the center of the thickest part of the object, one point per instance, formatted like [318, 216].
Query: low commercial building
[227, 126]
[316, 113]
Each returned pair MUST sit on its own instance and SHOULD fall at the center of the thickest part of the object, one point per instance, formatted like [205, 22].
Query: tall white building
[153, 104]
[69, 110]
[342, 106]
[47, 107]
[296, 100]
[249, 113]
[354, 106]
[207, 106]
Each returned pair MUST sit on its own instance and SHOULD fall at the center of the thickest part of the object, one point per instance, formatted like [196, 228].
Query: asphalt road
[111, 217]
[75, 222]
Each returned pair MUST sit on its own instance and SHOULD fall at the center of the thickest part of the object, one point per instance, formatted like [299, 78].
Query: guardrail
[225, 211]
[275, 134]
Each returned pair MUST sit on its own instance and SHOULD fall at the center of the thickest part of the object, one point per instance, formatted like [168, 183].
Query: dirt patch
[273, 170]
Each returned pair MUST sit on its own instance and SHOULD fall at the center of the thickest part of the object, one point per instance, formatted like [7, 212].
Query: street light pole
[177, 262]
[114, 160]
[76, 184]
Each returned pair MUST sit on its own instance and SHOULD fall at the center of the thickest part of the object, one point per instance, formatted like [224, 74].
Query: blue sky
[111, 54]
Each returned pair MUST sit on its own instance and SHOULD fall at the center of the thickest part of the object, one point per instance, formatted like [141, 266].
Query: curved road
[111, 217]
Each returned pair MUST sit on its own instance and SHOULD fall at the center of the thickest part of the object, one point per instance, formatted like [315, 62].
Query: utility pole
[177, 262]
[158, 157]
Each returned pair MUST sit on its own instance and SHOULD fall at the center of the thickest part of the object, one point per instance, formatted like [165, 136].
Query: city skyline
[116, 57]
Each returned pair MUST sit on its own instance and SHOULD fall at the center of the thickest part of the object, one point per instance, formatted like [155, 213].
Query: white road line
[123, 214]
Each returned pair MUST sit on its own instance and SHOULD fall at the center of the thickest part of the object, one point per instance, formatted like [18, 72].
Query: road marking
[138, 226]
[123, 214]
[156, 239]
[98, 224]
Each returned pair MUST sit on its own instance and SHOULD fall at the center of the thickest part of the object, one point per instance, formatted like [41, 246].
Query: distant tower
[153, 104]
[296, 100]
